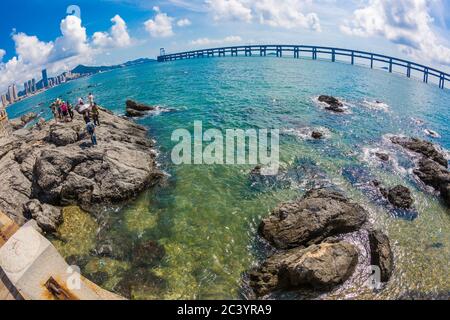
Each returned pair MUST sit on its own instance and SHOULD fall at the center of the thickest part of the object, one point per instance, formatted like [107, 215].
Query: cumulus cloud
[118, 36]
[68, 50]
[230, 10]
[184, 22]
[207, 41]
[2, 54]
[286, 14]
[407, 23]
[161, 26]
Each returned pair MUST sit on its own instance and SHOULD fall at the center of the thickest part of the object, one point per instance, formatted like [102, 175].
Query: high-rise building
[15, 92]
[45, 78]
[10, 94]
[4, 100]
[33, 85]
[30, 87]
[26, 88]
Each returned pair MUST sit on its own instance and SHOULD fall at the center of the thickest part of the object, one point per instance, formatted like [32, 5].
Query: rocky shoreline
[51, 165]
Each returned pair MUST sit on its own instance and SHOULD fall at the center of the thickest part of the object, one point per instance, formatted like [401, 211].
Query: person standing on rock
[70, 110]
[91, 99]
[90, 128]
[64, 111]
[95, 114]
[55, 113]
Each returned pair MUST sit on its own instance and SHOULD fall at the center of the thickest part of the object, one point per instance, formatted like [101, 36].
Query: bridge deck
[315, 52]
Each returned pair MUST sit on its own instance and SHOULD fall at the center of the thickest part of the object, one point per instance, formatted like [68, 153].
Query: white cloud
[283, 14]
[230, 10]
[160, 26]
[406, 23]
[2, 54]
[207, 41]
[184, 22]
[31, 50]
[117, 37]
[32, 55]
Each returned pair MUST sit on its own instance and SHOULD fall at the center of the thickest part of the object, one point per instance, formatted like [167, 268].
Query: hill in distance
[82, 69]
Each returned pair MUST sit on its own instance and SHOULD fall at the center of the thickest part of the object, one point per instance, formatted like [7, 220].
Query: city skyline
[113, 31]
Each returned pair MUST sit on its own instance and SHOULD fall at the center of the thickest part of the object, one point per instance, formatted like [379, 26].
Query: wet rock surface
[399, 196]
[136, 109]
[317, 135]
[319, 267]
[56, 165]
[333, 104]
[381, 253]
[432, 168]
[321, 213]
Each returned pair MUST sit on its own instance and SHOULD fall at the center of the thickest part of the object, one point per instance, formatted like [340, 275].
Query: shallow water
[206, 217]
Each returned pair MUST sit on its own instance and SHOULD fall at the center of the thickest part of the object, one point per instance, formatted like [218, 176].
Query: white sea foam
[305, 133]
[376, 105]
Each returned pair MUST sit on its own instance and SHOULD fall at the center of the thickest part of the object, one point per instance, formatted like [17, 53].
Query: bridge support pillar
[297, 53]
[333, 55]
[353, 57]
[408, 71]
[442, 81]
[314, 54]
[279, 51]
[248, 51]
[371, 61]
[390, 65]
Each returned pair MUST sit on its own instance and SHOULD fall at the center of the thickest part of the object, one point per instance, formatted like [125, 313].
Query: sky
[37, 34]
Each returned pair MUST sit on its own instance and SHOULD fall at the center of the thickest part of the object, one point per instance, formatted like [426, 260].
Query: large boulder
[321, 213]
[381, 254]
[47, 217]
[135, 109]
[399, 197]
[62, 136]
[320, 267]
[425, 148]
[432, 173]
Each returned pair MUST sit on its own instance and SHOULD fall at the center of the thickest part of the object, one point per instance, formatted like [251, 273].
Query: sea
[206, 216]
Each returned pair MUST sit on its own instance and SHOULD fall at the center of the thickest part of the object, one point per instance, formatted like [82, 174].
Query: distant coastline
[87, 71]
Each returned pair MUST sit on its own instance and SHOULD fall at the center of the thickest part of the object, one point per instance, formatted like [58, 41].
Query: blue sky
[37, 33]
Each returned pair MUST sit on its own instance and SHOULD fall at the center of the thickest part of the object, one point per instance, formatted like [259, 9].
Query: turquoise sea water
[206, 216]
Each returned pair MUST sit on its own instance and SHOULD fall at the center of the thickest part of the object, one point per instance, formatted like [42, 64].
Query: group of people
[63, 111]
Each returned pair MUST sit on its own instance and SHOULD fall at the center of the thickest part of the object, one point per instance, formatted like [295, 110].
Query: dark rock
[139, 279]
[79, 261]
[333, 104]
[445, 193]
[321, 213]
[99, 277]
[147, 254]
[320, 267]
[425, 148]
[382, 156]
[317, 135]
[432, 174]
[399, 197]
[47, 217]
[138, 106]
[133, 113]
[381, 254]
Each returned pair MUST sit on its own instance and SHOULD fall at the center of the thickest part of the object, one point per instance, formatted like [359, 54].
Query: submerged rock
[399, 196]
[319, 267]
[147, 254]
[333, 103]
[321, 213]
[381, 254]
[382, 156]
[26, 118]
